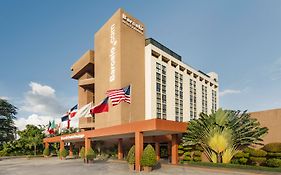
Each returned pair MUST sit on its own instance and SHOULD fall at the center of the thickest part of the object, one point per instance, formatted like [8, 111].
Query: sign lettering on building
[112, 55]
[132, 24]
[71, 137]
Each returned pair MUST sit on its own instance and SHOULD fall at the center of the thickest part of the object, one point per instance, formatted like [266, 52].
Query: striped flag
[118, 95]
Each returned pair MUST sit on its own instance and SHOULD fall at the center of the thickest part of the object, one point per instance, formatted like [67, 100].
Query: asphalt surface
[48, 166]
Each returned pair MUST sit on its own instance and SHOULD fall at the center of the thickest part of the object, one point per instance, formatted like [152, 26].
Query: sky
[40, 40]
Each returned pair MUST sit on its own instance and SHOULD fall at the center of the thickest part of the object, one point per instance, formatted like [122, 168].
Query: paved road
[48, 166]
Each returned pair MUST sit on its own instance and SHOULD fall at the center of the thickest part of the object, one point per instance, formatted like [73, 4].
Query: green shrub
[187, 158]
[248, 150]
[90, 155]
[273, 162]
[197, 159]
[187, 154]
[131, 155]
[58, 153]
[187, 148]
[241, 154]
[82, 153]
[272, 147]
[180, 152]
[148, 157]
[46, 151]
[274, 154]
[235, 161]
[258, 160]
[180, 147]
[197, 153]
[64, 153]
[243, 160]
[258, 153]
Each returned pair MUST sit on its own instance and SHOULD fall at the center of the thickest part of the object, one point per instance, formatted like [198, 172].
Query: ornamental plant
[273, 162]
[131, 156]
[272, 147]
[64, 153]
[258, 157]
[148, 158]
[90, 154]
[46, 151]
[82, 153]
[223, 133]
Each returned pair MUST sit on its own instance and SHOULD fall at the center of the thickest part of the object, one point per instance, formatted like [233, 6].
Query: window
[192, 99]
[158, 77]
[214, 100]
[204, 99]
[158, 87]
[178, 96]
[161, 95]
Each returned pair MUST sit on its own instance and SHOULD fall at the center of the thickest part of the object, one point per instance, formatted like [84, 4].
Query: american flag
[118, 95]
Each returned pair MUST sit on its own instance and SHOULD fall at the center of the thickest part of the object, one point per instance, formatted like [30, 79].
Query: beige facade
[119, 63]
[123, 56]
[272, 120]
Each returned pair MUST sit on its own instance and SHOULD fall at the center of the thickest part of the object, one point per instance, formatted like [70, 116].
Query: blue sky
[40, 40]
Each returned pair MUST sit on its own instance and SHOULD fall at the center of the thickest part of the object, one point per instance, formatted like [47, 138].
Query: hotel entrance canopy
[137, 130]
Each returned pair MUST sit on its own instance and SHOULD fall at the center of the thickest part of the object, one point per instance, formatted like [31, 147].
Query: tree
[222, 133]
[148, 158]
[32, 136]
[131, 156]
[7, 127]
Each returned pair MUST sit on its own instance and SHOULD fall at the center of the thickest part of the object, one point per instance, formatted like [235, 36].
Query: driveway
[47, 166]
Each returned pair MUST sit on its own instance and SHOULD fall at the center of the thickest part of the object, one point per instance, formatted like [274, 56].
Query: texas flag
[102, 107]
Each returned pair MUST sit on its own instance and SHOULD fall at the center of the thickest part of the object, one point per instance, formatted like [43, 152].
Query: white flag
[84, 111]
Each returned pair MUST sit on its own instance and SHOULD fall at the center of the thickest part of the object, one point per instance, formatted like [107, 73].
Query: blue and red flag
[102, 107]
[72, 112]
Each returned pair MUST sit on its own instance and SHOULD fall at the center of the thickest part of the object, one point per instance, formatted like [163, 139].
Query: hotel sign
[72, 137]
[132, 24]
[112, 55]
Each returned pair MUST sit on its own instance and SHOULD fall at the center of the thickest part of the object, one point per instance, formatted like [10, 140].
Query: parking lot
[47, 166]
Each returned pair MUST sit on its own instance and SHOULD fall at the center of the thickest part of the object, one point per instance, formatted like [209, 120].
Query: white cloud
[229, 91]
[43, 90]
[33, 119]
[41, 105]
[4, 98]
[42, 100]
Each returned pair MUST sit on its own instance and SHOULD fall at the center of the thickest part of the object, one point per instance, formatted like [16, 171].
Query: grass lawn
[235, 166]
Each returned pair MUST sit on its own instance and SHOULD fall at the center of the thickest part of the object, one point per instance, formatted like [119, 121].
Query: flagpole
[131, 94]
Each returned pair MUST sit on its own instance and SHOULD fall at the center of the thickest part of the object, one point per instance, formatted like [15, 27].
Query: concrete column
[157, 150]
[120, 149]
[87, 144]
[174, 149]
[138, 149]
[46, 145]
[61, 147]
[71, 149]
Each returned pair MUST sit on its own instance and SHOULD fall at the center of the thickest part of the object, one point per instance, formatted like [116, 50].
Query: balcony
[87, 83]
[85, 64]
[86, 122]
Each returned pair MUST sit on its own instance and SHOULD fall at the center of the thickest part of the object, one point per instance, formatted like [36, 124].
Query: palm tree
[222, 133]
[33, 142]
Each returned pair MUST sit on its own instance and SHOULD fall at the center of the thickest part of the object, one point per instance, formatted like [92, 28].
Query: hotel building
[165, 92]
